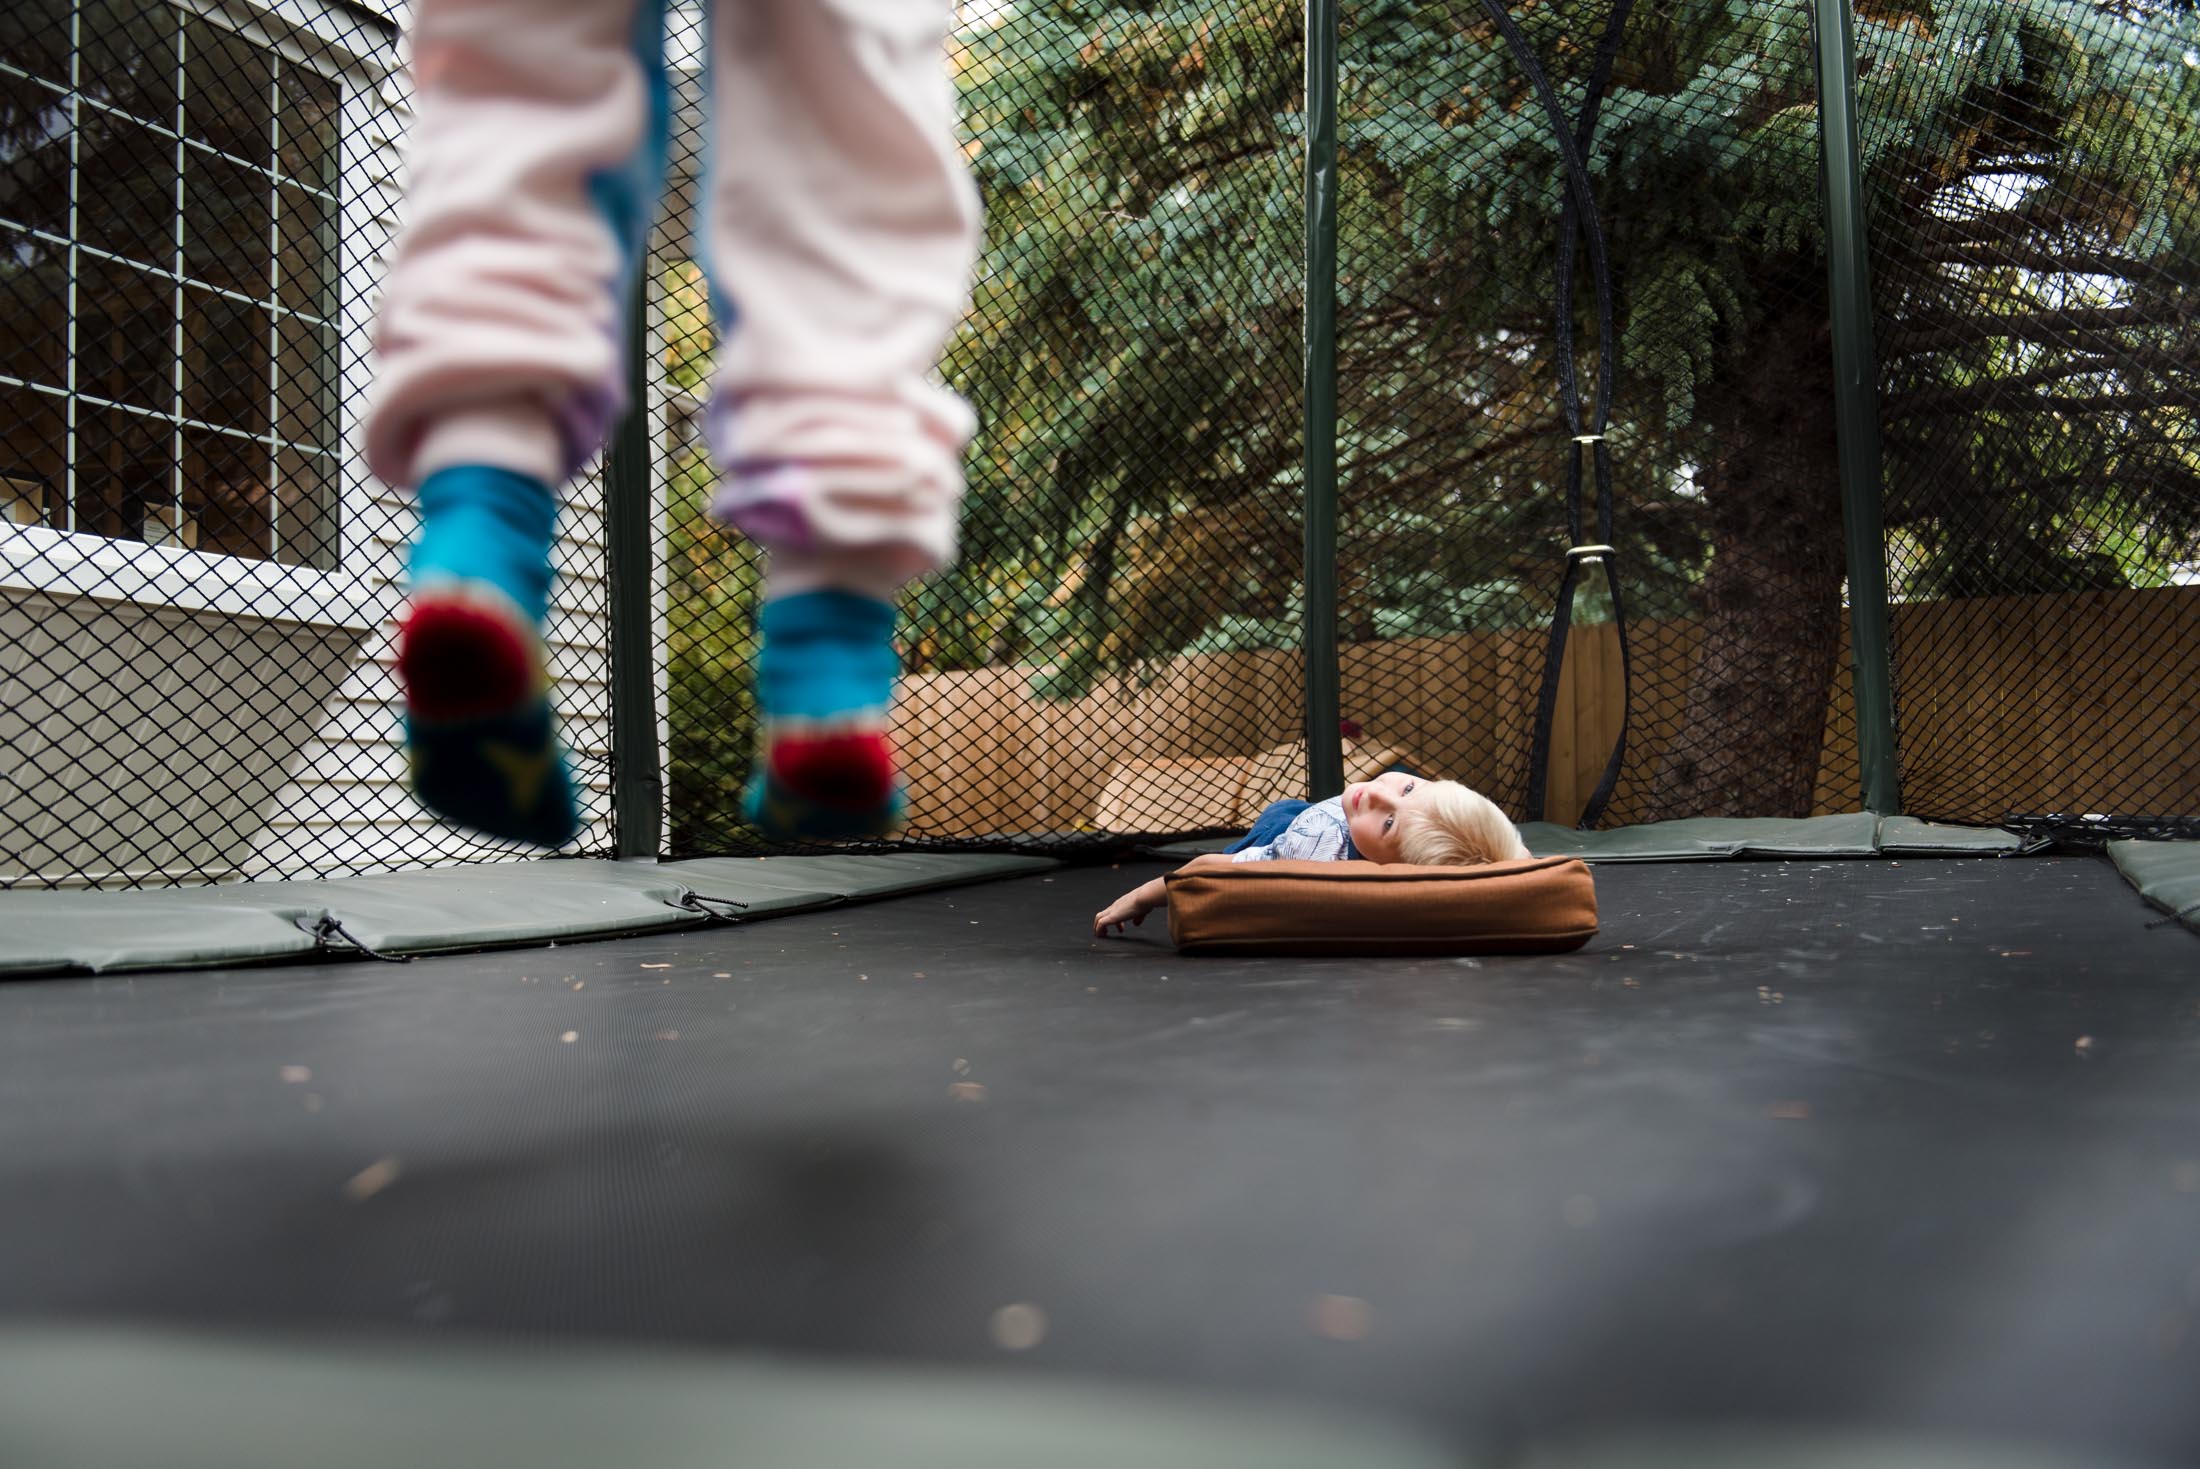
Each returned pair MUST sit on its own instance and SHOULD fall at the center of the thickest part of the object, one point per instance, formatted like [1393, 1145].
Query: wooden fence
[2052, 703]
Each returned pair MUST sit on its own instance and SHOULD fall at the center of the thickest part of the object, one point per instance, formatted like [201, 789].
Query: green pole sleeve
[1324, 757]
[1856, 410]
[637, 790]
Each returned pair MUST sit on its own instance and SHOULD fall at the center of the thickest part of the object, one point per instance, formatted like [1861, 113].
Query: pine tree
[2030, 166]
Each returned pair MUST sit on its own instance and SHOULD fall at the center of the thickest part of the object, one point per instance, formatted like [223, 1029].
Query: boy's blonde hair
[1452, 826]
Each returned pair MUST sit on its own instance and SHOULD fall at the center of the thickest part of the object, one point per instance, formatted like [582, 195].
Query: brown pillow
[1542, 905]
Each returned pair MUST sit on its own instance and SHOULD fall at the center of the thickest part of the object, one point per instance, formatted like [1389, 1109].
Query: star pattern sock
[824, 682]
[478, 726]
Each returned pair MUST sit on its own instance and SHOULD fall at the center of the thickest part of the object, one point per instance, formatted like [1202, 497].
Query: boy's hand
[1131, 908]
[1134, 905]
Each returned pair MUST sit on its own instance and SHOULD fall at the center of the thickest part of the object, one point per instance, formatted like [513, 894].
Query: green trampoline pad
[2167, 874]
[1858, 834]
[93, 1399]
[491, 905]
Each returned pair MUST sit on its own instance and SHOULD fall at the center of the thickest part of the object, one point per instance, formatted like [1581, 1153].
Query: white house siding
[347, 809]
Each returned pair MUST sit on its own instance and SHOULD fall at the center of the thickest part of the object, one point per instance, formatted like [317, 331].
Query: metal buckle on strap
[1590, 553]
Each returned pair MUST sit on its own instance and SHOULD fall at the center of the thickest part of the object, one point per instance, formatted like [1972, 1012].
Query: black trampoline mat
[1902, 1145]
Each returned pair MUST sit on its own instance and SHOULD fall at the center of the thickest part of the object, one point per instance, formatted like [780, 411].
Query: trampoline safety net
[1586, 357]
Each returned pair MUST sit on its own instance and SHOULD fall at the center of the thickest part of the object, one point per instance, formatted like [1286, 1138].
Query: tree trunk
[1748, 738]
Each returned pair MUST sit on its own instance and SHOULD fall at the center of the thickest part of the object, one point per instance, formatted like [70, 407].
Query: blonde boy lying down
[1395, 817]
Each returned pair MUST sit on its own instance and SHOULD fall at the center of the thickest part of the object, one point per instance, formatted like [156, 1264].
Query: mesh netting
[1113, 653]
[1726, 496]
[197, 579]
[2034, 192]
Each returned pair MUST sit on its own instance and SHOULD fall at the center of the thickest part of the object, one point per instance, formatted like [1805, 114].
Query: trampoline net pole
[637, 792]
[1325, 764]
[1856, 410]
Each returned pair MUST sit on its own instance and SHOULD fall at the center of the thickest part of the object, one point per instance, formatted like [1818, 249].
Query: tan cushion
[1537, 906]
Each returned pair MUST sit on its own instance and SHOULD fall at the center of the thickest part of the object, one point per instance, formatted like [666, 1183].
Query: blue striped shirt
[1317, 834]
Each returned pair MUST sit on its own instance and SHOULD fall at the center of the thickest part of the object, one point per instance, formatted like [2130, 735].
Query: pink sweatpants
[838, 231]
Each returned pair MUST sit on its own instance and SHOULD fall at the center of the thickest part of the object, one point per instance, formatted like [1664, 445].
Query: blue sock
[826, 655]
[487, 525]
[478, 724]
[824, 679]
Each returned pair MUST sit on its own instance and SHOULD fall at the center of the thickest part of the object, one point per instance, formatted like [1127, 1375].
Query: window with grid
[168, 263]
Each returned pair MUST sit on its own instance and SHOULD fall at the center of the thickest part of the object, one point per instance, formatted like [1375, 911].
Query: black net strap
[1578, 222]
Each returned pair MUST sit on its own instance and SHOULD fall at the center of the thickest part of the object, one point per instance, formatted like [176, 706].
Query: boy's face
[1372, 809]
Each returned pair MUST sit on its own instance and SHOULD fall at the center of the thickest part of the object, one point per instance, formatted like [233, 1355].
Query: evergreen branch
[2018, 222]
[1484, 451]
[2053, 328]
[1998, 255]
[1998, 395]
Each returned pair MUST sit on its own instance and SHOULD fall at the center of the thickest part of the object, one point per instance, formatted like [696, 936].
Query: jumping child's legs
[840, 226]
[538, 154]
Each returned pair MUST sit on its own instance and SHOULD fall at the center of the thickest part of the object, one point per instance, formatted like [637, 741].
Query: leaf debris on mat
[1341, 1318]
[371, 1180]
[1018, 1327]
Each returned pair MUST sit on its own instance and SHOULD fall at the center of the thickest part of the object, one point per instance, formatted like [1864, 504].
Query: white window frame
[315, 36]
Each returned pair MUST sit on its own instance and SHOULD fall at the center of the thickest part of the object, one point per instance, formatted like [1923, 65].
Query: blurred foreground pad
[105, 1398]
[1805, 1448]
[113, 1399]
